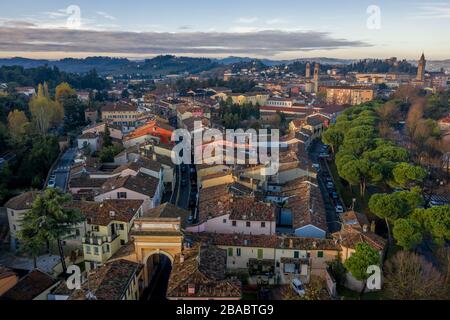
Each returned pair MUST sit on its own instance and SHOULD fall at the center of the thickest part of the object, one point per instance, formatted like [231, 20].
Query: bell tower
[421, 68]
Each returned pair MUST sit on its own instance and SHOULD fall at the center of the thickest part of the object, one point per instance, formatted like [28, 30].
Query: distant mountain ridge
[169, 64]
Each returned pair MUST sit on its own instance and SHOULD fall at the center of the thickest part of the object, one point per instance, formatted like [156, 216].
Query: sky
[282, 29]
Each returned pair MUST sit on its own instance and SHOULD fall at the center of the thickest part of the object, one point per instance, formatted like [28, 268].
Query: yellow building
[123, 115]
[108, 224]
[352, 95]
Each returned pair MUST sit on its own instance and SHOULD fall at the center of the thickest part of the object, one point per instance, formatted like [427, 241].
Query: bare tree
[409, 276]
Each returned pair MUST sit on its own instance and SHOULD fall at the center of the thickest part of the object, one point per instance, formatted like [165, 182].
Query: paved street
[332, 216]
[157, 289]
[62, 169]
[180, 196]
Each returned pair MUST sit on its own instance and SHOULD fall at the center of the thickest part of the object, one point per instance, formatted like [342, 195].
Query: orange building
[151, 130]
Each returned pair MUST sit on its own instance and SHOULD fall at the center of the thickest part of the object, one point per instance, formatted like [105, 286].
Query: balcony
[98, 240]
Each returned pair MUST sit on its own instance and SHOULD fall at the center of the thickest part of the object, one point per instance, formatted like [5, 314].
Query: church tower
[308, 71]
[421, 68]
[316, 77]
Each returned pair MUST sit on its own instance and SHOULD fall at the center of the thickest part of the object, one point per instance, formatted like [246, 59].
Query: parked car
[51, 182]
[324, 155]
[334, 195]
[184, 183]
[339, 209]
[330, 185]
[329, 179]
[298, 287]
[316, 166]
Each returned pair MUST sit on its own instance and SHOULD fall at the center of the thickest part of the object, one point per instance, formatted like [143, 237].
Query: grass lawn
[348, 294]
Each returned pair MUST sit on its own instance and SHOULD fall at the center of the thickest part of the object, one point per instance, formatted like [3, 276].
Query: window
[248, 224]
[122, 242]
[233, 223]
[260, 254]
[230, 252]
[95, 228]
[121, 195]
[319, 254]
[87, 249]
[121, 227]
[238, 252]
[308, 254]
[263, 224]
[96, 251]
[296, 254]
[12, 213]
[224, 220]
[14, 227]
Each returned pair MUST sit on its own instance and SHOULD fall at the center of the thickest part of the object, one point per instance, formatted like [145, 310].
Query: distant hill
[161, 65]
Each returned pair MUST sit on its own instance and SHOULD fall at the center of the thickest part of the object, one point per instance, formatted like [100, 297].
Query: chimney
[365, 228]
[154, 157]
[191, 289]
[112, 214]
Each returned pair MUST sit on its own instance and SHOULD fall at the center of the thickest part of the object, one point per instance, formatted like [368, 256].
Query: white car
[298, 287]
[330, 185]
[316, 166]
[339, 209]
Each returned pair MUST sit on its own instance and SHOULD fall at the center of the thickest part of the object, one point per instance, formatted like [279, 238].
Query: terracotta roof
[202, 275]
[142, 162]
[23, 201]
[121, 107]
[249, 209]
[30, 286]
[6, 272]
[307, 206]
[85, 181]
[214, 202]
[264, 241]
[349, 237]
[110, 281]
[88, 135]
[140, 183]
[103, 213]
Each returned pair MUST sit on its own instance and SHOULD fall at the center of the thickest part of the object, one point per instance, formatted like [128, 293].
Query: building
[27, 91]
[421, 68]
[89, 141]
[220, 211]
[139, 187]
[8, 279]
[15, 208]
[36, 285]
[351, 95]
[275, 259]
[199, 273]
[107, 226]
[153, 130]
[121, 114]
[116, 281]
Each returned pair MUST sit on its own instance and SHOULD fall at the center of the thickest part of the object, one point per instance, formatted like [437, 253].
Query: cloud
[185, 27]
[106, 15]
[16, 24]
[433, 10]
[266, 43]
[247, 20]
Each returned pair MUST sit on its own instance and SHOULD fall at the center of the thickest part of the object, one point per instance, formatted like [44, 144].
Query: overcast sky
[282, 29]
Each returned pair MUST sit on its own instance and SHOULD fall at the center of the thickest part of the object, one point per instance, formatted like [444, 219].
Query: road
[62, 169]
[332, 216]
[181, 194]
[157, 289]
